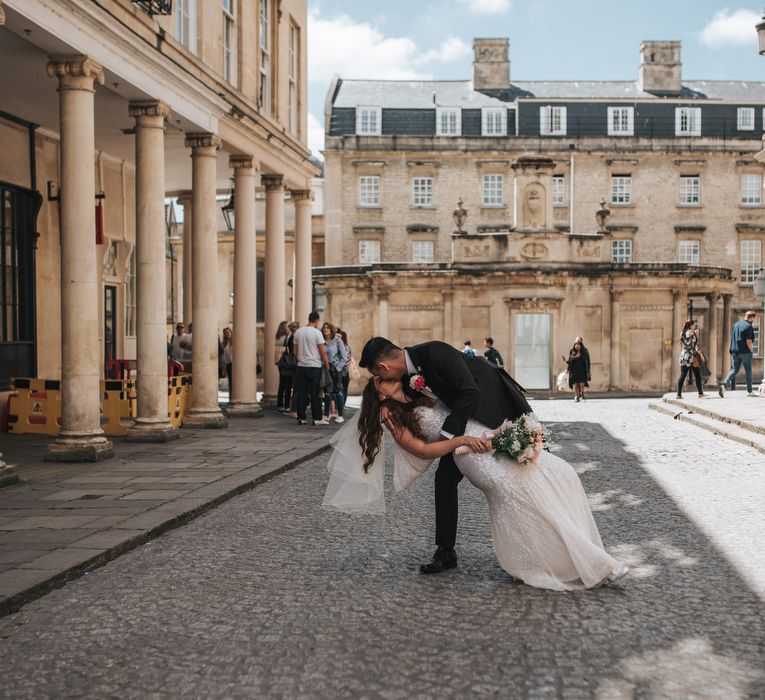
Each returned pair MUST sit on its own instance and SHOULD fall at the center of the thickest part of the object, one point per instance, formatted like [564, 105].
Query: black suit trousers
[447, 478]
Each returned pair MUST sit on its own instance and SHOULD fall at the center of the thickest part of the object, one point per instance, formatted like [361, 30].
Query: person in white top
[308, 347]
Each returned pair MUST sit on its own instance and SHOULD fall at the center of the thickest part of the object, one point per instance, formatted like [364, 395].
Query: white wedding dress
[543, 530]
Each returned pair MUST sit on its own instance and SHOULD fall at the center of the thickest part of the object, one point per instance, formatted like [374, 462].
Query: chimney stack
[491, 65]
[660, 67]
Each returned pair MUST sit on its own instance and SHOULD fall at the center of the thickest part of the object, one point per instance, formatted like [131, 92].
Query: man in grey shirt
[308, 347]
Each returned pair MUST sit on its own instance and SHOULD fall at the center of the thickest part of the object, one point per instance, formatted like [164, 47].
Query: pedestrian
[308, 347]
[586, 354]
[292, 409]
[285, 363]
[177, 353]
[578, 369]
[690, 357]
[228, 355]
[468, 349]
[186, 342]
[350, 366]
[491, 353]
[741, 347]
[338, 358]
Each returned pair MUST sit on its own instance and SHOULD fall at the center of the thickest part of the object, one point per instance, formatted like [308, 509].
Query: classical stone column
[679, 316]
[152, 423]
[244, 399]
[382, 311]
[185, 201]
[302, 273]
[712, 340]
[81, 438]
[614, 378]
[275, 306]
[204, 411]
[727, 358]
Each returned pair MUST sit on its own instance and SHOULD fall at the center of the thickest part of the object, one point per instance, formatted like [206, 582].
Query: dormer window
[494, 121]
[688, 121]
[552, 121]
[368, 121]
[448, 121]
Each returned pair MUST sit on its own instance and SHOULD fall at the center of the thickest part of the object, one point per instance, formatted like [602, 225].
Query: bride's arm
[432, 450]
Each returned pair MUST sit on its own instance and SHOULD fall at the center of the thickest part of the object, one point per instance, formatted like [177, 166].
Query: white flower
[515, 446]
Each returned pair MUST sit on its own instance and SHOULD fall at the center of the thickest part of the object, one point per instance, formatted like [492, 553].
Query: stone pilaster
[81, 438]
[152, 423]
[725, 364]
[712, 335]
[244, 399]
[448, 303]
[275, 306]
[185, 201]
[679, 315]
[302, 270]
[614, 378]
[204, 411]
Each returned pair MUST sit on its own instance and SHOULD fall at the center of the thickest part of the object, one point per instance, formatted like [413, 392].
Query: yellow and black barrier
[35, 407]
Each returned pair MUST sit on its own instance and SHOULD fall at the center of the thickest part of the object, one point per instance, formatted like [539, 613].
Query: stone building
[606, 209]
[124, 104]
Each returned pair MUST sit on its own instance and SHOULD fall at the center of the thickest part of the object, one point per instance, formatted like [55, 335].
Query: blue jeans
[336, 394]
[741, 358]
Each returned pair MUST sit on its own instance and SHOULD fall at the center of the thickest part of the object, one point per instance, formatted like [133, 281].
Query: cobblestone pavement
[270, 597]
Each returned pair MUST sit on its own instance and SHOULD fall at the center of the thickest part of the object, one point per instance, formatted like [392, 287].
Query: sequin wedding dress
[543, 530]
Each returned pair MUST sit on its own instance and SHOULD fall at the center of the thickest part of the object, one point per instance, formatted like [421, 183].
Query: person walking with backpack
[491, 353]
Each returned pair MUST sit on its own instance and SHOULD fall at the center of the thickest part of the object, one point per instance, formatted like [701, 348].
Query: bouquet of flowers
[522, 439]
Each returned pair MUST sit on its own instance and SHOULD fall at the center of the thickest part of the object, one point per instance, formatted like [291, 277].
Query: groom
[471, 387]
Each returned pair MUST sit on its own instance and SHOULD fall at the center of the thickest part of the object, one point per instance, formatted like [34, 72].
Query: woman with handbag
[286, 363]
[691, 357]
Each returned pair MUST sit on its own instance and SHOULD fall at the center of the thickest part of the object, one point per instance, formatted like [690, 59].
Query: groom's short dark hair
[376, 350]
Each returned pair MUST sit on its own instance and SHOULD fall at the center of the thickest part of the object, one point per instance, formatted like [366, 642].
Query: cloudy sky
[549, 40]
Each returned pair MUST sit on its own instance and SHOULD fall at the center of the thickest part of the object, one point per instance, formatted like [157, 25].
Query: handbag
[705, 373]
[287, 363]
[562, 381]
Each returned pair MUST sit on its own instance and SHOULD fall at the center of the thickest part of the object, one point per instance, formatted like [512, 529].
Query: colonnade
[81, 437]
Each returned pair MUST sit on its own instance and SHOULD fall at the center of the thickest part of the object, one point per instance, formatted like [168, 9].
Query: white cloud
[487, 7]
[730, 29]
[357, 50]
[452, 49]
[315, 135]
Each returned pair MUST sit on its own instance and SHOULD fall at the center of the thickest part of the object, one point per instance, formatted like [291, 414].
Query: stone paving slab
[65, 519]
[736, 407]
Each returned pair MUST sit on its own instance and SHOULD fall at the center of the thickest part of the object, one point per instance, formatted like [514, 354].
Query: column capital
[200, 142]
[272, 181]
[301, 195]
[713, 297]
[243, 162]
[616, 294]
[146, 111]
[184, 199]
[77, 72]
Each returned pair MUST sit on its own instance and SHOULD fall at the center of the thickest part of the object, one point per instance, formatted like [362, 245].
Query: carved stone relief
[476, 250]
[534, 251]
[534, 206]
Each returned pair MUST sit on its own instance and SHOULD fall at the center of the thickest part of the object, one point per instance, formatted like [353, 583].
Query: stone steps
[738, 431]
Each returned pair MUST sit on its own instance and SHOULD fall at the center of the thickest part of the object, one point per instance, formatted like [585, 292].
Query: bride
[543, 530]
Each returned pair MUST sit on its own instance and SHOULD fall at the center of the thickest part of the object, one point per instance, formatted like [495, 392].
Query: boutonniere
[417, 381]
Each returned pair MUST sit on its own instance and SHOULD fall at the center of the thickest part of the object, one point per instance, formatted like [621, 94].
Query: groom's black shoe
[442, 560]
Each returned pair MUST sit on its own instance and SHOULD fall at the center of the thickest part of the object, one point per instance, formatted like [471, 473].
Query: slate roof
[419, 94]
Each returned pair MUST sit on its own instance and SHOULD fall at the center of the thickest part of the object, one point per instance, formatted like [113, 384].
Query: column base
[241, 409]
[268, 401]
[204, 419]
[76, 448]
[8, 476]
[149, 431]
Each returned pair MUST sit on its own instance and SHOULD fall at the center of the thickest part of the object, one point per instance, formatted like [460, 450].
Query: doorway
[532, 350]
[110, 323]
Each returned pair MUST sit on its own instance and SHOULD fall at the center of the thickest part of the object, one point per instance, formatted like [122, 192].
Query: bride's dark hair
[401, 414]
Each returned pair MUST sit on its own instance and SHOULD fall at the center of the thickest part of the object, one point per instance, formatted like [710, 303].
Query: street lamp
[228, 212]
[759, 291]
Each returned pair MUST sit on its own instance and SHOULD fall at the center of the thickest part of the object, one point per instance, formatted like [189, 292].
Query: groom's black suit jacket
[471, 387]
